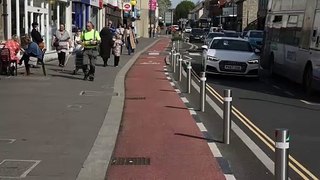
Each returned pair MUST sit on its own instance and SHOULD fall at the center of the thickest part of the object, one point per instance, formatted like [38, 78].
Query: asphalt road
[49, 124]
[270, 103]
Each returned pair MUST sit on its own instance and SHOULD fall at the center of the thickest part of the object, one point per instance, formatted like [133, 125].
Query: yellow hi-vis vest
[87, 36]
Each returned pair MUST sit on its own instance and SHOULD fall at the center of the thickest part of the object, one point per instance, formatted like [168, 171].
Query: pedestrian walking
[78, 51]
[90, 39]
[116, 51]
[120, 31]
[129, 39]
[61, 41]
[106, 43]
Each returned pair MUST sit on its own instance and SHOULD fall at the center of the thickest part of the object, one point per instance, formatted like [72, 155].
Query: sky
[176, 2]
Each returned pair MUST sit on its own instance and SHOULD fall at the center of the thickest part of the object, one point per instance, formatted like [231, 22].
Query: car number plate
[231, 67]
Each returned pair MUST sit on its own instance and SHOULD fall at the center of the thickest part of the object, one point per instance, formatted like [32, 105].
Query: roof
[231, 38]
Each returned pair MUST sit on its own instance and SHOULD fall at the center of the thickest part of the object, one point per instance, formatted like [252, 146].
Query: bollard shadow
[198, 137]
[174, 107]
[167, 90]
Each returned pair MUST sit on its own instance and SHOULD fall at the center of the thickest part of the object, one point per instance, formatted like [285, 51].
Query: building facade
[262, 13]
[247, 14]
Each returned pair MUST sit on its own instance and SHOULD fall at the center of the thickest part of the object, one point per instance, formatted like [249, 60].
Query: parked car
[188, 30]
[212, 35]
[230, 34]
[255, 38]
[230, 56]
[196, 35]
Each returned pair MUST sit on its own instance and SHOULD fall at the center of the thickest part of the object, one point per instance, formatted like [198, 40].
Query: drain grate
[136, 98]
[130, 161]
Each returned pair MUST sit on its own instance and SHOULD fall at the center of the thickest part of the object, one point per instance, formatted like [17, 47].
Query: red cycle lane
[154, 123]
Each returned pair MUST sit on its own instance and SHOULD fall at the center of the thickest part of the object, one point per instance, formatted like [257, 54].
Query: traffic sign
[126, 6]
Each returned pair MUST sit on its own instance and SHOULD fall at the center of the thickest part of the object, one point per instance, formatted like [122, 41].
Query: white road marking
[10, 140]
[166, 73]
[201, 127]
[164, 66]
[194, 54]
[184, 100]
[154, 54]
[187, 57]
[193, 112]
[277, 87]
[24, 174]
[230, 177]
[178, 91]
[172, 84]
[310, 103]
[169, 78]
[289, 93]
[257, 151]
[214, 149]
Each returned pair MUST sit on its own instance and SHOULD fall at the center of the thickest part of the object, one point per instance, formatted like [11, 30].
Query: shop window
[13, 18]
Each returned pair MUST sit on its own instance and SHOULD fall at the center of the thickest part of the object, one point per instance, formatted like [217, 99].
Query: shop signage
[126, 6]
[113, 3]
[85, 1]
[152, 5]
[230, 11]
[94, 3]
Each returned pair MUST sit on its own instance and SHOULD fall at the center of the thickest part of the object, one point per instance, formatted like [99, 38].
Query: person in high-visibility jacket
[90, 40]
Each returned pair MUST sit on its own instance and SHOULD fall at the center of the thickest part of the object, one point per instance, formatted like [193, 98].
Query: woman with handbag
[61, 41]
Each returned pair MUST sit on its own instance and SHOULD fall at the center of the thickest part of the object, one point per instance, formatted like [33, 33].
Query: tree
[183, 8]
[164, 5]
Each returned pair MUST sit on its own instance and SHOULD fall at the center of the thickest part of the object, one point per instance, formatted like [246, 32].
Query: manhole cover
[130, 161]
[136, 98]
[16, 168]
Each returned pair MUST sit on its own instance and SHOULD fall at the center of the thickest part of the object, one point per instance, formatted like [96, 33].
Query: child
[116, 50]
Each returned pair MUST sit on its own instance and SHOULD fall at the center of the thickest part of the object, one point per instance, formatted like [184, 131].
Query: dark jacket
[36, 36]
[106, 42]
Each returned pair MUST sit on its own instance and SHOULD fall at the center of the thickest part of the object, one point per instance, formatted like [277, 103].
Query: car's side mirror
[204, 47]
[257, 51]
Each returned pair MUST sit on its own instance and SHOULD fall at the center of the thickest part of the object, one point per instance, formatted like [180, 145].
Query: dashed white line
[193, 112]
[165, 69]
[184, 100]
[201, 127]
[289, 93]
[169, 78]
[277, 87]
[310, 103]
[10, 140]
[172, 84]
[194, 54]
[166, 73]
[214, 149]
[229, 177]
[178, 91]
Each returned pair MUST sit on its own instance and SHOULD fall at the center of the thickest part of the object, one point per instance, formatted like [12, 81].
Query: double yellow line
[293, 163]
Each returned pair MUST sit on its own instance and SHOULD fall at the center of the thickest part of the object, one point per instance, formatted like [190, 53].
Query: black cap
[35, 24]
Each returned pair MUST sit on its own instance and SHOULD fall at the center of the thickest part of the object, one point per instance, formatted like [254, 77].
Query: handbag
[56, 43]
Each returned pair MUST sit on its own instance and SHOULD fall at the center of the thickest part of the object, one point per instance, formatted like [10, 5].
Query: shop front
[113, 12]
[48, 14]
[84, 11]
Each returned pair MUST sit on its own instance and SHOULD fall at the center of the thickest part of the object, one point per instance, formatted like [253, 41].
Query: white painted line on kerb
[201, 127]
[178, 91]
[172, 84]
[193, 112]
[214, 149]
[165, 69]
[256, 150]
[289, 93]
[169, 78]
[164, 66]
[229, 177]
[310, 103]
[184, 100]
[277, 87]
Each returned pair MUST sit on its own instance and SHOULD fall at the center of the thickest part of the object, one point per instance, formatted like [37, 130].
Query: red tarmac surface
[151, 128]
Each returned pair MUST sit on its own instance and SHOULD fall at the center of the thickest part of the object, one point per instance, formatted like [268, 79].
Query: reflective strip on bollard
[281, 153]
[227, 115]
[189, 67]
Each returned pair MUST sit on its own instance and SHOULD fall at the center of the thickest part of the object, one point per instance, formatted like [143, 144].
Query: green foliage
[183, 8]
[164, 5]
[176, 36]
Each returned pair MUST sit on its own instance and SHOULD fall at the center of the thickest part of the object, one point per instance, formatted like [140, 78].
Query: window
[232, 45]
[293, 19]
[277, 19]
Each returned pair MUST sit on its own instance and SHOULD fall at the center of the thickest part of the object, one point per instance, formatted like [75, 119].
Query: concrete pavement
[48, 125]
